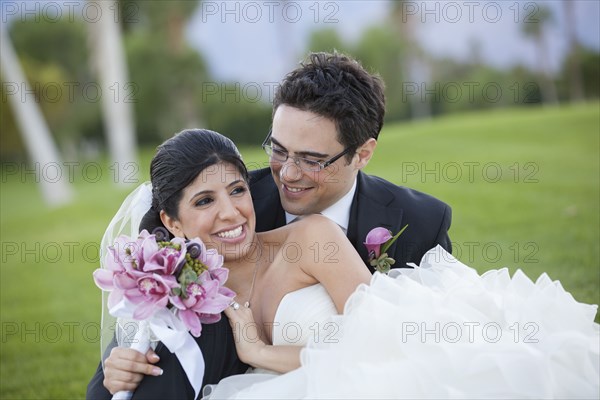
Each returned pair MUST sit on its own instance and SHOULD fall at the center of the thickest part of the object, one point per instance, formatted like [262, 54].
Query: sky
[259, 41]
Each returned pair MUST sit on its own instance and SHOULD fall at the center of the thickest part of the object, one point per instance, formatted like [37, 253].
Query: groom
[327, 115]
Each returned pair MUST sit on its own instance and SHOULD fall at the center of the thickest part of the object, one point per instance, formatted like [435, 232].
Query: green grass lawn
[523, 185]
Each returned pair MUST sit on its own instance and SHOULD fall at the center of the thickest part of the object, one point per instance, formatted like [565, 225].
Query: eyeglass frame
[322, 165]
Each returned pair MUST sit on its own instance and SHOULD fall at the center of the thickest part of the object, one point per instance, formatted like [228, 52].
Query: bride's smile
[231, 233]
[217, 208]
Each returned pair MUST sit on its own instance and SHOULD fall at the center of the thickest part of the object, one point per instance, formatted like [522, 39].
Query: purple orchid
[149, 291]
[125, 253]
[209, 257]
[166, 260]
[122, 258]
[202, 297]
[151, 275]
[212, 259]
[105, 280]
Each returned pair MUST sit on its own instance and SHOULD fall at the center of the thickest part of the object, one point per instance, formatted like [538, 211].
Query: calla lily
[378, 241]
[375, 238]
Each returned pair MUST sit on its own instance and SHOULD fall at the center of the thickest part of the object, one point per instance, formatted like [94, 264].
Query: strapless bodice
[302, 316]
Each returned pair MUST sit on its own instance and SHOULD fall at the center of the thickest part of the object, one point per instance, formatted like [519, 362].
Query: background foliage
[521, 173]
[537, 212]
[173, 88]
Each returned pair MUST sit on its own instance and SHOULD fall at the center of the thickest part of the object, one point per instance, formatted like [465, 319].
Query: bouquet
[170, 287]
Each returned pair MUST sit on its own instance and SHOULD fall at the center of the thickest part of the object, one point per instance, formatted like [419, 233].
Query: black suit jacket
[376, 203]
[218, 349]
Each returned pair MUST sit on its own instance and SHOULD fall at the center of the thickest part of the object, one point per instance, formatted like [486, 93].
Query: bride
[199, 189]
[325, 328]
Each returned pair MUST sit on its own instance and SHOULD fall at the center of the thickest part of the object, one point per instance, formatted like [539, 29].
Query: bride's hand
[246, 334]
[125, 368]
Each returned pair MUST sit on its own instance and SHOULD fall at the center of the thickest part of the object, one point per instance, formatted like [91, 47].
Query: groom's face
[308, 135]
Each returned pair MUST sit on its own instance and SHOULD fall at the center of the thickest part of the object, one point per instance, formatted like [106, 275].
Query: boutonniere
[378, 241]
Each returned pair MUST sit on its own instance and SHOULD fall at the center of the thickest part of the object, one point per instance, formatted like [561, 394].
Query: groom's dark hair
[177, 163]
[337, 87]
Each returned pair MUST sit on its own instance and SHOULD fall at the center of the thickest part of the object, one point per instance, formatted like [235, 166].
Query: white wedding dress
[437, 331]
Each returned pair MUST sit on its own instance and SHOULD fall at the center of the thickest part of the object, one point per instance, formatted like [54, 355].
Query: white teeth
[231, 234]
[294, 190]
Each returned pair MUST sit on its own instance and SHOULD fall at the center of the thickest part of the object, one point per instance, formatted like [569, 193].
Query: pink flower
[105, 280]
[212, 259]
[153, 276]
[123, 254]
[209, 318]
[141, 255]
[209, 257]
[225, 291]
[120, 260]
[166, 260]
[203, 297]
[375, 238]
[149, 291]
[220, 275]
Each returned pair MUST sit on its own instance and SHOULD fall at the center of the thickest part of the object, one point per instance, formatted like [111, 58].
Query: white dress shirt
[339, 212]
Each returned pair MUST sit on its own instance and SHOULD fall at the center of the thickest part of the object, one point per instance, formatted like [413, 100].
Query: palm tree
[284, 36]
[167, 22]
[415, 66]
[535, 29]
[109, 60]
[36, 134]
[574, 63]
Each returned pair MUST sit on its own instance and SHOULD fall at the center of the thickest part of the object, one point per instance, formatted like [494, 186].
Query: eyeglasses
[304, 163]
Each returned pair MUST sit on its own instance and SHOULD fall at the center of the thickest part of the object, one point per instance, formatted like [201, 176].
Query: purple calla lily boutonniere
[378, 241]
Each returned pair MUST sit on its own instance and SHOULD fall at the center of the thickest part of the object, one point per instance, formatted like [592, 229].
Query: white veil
[125, 222]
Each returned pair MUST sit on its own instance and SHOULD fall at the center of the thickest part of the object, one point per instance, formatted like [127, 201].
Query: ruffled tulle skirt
[440, 330]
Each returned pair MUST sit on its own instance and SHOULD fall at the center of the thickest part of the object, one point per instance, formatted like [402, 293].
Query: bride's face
[217, 208]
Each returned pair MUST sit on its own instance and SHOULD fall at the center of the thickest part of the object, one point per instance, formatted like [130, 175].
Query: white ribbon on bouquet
[170, 330]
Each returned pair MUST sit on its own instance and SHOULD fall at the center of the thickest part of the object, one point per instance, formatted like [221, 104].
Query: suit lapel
[265, 198]
[370, 209]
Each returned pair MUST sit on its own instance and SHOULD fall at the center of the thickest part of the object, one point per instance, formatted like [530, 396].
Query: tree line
[171, 88]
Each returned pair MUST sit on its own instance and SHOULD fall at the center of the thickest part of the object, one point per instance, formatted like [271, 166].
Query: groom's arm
[96, 389]
[174, 385]
[221, 360]
[129, 359]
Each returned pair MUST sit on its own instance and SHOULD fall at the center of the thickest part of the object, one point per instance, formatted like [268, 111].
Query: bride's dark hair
[178, 161]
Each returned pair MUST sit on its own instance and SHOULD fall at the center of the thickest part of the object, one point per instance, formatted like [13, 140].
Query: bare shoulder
[303, 235]
[315, 225]
[317, 220]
